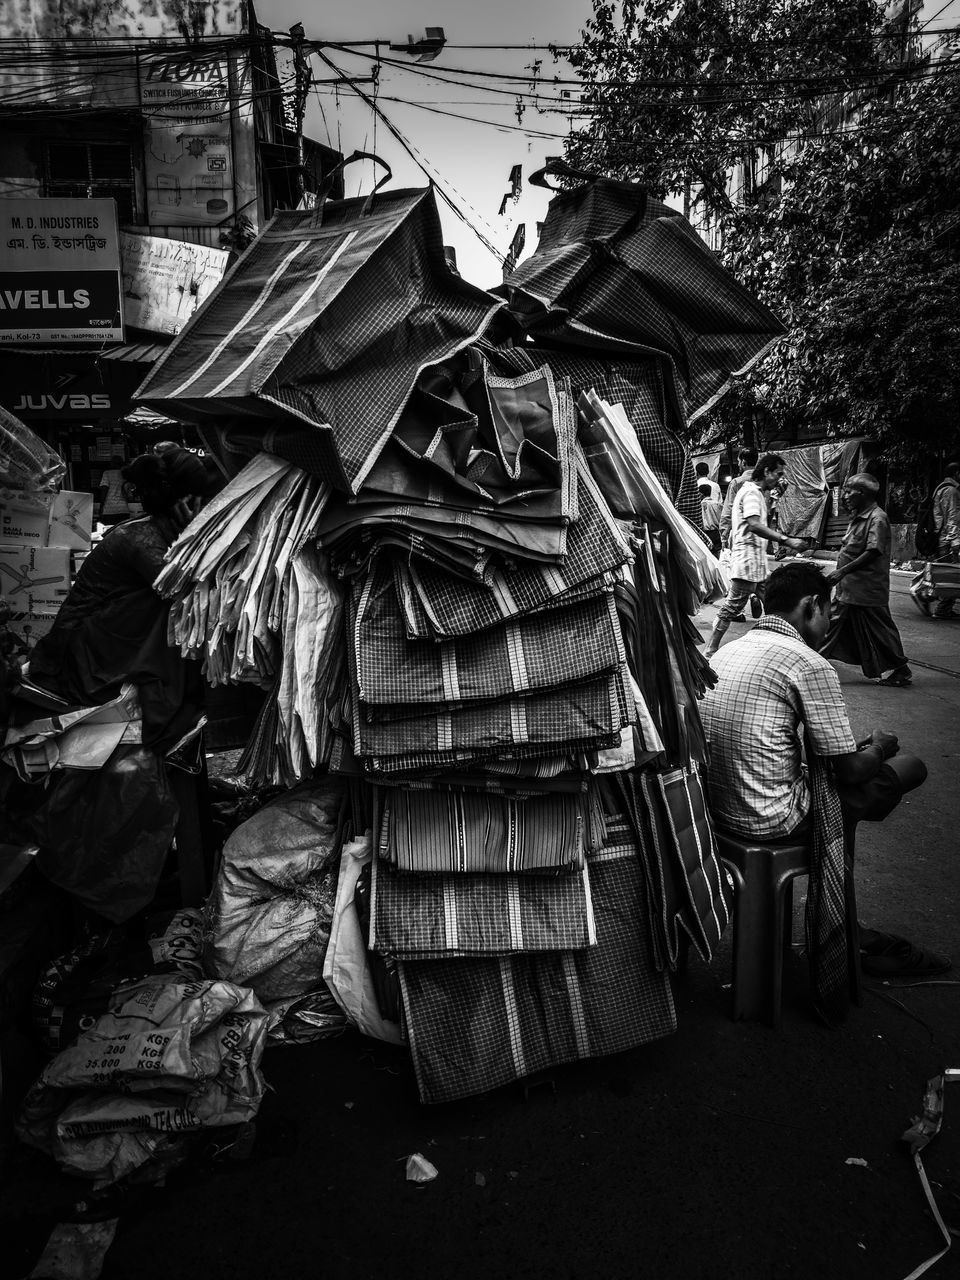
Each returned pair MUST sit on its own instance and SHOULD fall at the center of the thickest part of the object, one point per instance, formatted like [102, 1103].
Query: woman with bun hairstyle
[112, 627]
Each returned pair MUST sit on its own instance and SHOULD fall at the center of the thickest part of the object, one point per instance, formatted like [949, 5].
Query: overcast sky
[471, 161]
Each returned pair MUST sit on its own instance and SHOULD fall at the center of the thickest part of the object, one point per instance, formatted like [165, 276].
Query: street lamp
[427, 47]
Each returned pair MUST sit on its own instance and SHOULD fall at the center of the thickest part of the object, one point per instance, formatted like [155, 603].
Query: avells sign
[59, 272]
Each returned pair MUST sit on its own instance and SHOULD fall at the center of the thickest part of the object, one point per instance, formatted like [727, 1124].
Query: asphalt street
[727, 1150]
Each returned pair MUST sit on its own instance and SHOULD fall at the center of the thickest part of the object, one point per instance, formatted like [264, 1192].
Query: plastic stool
[763, 875]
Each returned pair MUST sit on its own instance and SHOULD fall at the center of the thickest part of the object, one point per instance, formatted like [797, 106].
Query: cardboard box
[71, 520]
[24, 517]
[29, 627]
[34, 579]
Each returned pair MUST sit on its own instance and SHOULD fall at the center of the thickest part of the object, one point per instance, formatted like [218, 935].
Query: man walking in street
[771, 683]
[746, 461]
[946, 520]
[710, 516]
[862, 630]
[946, 514]
[703, 478]
[750, 533]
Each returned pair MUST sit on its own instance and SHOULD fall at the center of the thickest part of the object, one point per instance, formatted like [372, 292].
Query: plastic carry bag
[346, 967]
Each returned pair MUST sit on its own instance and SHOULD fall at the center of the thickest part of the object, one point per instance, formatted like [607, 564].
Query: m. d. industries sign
[59, 272]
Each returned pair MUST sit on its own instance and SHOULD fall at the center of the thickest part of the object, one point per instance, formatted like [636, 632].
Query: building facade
[143, 144]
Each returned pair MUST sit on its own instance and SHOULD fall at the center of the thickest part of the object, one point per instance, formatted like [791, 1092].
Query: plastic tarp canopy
[801, 508]
[619, 272]
[325, 322]
[840, 458]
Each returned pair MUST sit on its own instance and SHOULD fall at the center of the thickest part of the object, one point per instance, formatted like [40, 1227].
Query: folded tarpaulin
[544, 650]
[617, 271]
[474, 1024]
[418, 916]
[593, 709]
[469, 831]
[649, 398]
[327, 319]
[500, 440]
[434, 605]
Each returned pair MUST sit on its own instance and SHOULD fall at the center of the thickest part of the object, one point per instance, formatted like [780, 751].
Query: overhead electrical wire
[456, 115]
[561, 49]
[837, 78]
[432, 175]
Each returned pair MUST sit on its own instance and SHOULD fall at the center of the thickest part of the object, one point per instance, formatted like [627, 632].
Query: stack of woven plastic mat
[511, 522]
[491, 692]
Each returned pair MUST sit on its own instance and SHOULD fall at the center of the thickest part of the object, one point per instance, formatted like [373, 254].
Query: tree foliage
[853, 238]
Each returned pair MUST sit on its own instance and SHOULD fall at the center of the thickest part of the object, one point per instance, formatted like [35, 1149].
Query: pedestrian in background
[110, 494]
[750, 532]
[946, 520]
[746, 461]
[703, 478]
[946, 514]
[862, 630]
[710, 516]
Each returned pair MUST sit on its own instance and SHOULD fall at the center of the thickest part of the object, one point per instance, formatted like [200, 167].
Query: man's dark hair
[746, 456]
[952, 471]
[769, 462]
[704, 487]
[703, 469]
[789, 583]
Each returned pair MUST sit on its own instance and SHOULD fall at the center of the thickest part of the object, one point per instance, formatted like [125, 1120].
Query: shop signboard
[59, 272]
[164, 281]
[186, 100]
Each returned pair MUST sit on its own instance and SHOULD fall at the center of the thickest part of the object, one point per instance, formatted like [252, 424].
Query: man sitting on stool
[771, 683]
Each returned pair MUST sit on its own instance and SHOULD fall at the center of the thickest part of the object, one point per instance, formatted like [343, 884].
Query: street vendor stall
[459, 555]
[468, 590]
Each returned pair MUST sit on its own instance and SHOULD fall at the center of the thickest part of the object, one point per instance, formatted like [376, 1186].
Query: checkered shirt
[770, 683]
[749, 550]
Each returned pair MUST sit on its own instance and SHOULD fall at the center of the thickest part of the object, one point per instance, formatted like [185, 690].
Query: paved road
[724, 1151]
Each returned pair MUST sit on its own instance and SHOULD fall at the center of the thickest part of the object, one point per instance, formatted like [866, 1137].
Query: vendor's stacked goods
[252, 597]
[488, 693]
[511, 690]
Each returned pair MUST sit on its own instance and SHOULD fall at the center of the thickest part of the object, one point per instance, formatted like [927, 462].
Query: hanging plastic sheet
[618, 271]
[325, 322]
[802, 508]
[840, 458]
[26, 463]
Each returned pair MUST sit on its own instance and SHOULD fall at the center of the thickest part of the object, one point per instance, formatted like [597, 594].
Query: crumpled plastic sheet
[271, 908]
[26, 463]
[167, 1058]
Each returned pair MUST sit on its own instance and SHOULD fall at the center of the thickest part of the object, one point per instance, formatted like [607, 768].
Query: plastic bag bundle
[272, 906]
[253, 598]
[26, 463]
[167, 1058]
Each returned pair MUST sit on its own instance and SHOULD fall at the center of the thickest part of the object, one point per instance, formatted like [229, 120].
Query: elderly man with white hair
[862, 631]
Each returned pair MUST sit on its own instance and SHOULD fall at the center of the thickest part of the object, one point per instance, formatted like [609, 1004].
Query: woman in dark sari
[112, 627]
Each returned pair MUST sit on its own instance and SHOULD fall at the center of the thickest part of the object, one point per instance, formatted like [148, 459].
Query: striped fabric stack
[490, 696]
[512, 680]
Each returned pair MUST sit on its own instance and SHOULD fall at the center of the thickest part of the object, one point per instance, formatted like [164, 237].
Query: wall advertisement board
[164, 281]
[59, 272]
